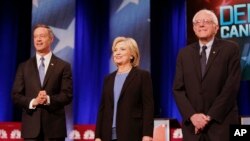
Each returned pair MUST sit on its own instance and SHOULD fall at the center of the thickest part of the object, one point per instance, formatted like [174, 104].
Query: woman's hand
[147, 138]
[98, 139]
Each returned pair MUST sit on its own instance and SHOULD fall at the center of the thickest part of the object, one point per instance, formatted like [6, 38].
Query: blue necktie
[41, 70]
[203, 60]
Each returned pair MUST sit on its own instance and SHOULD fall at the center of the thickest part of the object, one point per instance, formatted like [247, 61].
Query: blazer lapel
[111, 86]
[213, 53]
[127, 82]
[51, 68]
[196, 59]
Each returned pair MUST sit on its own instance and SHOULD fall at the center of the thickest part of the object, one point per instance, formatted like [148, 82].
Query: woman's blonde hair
[133, 47]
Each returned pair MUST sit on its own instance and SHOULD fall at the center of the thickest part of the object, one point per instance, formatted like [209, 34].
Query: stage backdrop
[98, 22]
[14, 43]
[131, 18]
[8, 27]
[234, 24]
[92, 48]
[168, 35]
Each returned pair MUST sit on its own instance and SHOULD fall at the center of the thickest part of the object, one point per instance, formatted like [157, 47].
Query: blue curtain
[168, 35]
[92, 53]
[14, 41]
[7, 61]
[131, 19]
[91, 57]
[244, 98]
[92, 50]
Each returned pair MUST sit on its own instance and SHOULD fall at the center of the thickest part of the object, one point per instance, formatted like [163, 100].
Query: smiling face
[42, 40]
[204, 26]
[121, 54]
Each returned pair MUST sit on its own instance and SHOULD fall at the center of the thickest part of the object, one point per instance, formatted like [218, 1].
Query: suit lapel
[196, 59]
[51, 68]
[36, 73]
[213, 53]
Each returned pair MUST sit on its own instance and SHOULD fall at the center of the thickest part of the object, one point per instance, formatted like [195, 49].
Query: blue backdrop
[168, 35]
[131, 18]
[14, 45]
[91, 58]
[92, 50]
[8, 47]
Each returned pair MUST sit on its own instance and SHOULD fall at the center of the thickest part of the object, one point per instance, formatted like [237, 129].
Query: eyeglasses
[203, 21]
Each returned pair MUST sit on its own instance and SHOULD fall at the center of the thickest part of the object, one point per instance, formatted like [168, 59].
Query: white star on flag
[125, 3]
[65, 36]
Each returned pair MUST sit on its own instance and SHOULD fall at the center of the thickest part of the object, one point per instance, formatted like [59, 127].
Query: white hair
[211, 13]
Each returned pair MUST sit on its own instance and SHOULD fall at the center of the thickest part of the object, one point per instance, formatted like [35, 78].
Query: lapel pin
[52, 64]
[214, 52]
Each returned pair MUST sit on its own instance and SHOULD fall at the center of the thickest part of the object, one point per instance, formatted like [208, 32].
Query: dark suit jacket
[215, 94]
[57, 84]
[135, 108]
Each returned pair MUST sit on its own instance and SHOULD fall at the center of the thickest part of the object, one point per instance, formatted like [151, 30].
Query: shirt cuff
[48, 101]
[31, 104]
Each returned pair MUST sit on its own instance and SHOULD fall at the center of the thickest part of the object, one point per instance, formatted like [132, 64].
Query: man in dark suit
[206, 82]
[42, 88]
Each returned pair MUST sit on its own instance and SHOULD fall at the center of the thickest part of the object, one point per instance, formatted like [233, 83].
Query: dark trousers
[41, 137]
